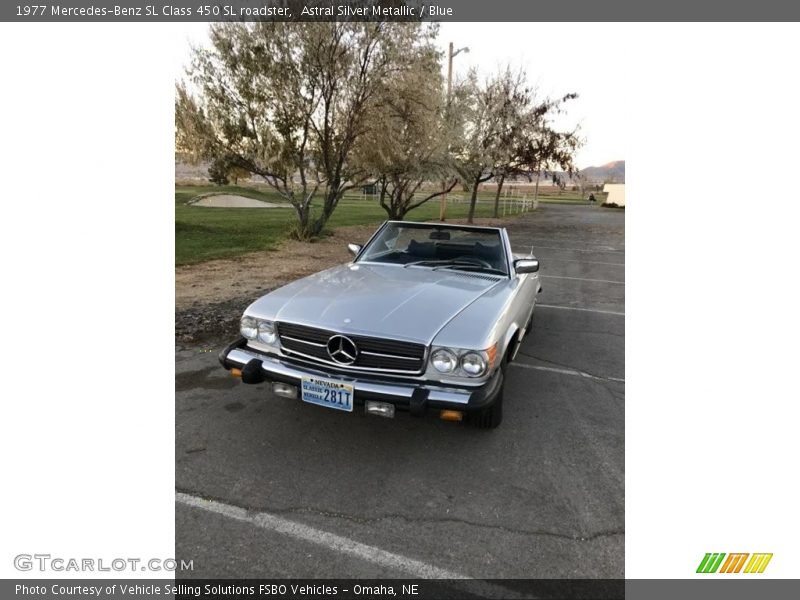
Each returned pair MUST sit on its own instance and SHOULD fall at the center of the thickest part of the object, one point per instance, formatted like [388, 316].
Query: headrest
[422, 249]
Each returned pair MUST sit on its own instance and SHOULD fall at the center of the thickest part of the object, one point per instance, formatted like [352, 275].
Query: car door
[527, 290]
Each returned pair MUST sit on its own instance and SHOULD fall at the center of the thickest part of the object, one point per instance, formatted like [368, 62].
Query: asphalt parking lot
[303, 491]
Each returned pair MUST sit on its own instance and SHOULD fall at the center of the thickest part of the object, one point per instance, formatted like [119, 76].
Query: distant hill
[185, 171]
[613, 172]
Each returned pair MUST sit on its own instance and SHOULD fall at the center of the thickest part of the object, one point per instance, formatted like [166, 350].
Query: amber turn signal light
[236, 372]
[492, 354]
[451, 415]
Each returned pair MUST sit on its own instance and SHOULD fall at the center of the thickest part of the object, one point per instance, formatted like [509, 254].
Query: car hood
[380, 300]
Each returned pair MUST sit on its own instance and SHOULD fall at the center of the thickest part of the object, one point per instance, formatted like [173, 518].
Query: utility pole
[450, 56]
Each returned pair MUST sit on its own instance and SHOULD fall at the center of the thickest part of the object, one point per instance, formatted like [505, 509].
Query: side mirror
[526, 265]
[354, 248]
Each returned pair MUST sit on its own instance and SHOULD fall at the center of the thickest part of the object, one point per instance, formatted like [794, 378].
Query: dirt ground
[211, 296]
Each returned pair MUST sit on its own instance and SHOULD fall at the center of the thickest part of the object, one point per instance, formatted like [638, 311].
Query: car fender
[510, 339]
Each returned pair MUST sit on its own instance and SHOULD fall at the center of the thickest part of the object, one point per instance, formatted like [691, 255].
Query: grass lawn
[203, 234]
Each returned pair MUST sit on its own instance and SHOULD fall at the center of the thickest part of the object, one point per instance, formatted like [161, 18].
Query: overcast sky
[558, 57]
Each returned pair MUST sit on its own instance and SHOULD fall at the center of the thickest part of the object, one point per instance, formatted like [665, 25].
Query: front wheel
[491, 416]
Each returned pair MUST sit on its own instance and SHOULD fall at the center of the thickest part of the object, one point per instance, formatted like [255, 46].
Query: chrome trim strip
[369, 241]
[355, 334]
[448, 396]
[388, 355]
[273, 366]
[508, 252]
[286, 337]
[322, 361]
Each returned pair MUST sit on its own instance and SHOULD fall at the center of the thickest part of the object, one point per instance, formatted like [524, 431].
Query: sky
[558, 58]
[586, 58]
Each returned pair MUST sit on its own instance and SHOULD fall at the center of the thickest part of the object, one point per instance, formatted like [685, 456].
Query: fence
[511, 203]
[515, 205]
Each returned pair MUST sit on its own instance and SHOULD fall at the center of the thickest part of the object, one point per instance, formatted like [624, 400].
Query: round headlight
[266, 332]
[473, 364]
[249, 328]
[444, 361]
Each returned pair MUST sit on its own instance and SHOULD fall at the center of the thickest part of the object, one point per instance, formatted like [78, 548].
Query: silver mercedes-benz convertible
[424, 319]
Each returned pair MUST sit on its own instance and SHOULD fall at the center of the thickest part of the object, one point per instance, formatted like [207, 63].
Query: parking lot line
[319, 537]
[581, 279]
[338, 543]
[573, 372]
[593, 310]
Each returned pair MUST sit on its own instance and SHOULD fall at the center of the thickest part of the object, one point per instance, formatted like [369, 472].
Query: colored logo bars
[734, 562]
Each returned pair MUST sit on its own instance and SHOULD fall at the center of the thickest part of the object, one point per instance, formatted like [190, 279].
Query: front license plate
[326, 392]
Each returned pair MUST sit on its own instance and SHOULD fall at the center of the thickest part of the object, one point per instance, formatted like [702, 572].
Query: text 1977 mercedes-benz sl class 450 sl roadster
[424, 319]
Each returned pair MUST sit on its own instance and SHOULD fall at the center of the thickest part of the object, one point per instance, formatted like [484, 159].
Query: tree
[406, 145]
[500, 179]
[546, 149]
[218, 172]
[476, 114]
[504, 131]
[582, 181]
[222, 170]
[514, 113]
[290, 103]
[236, 173]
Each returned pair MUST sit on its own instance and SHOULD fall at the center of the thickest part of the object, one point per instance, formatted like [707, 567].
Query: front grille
[373, 353]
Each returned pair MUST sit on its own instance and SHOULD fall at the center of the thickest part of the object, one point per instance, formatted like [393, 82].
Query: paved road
[301, 491]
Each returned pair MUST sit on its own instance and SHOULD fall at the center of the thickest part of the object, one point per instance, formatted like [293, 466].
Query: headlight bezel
[261, 331]
[484, 357]
[474, 358]
[248, 327]
[445, 353]
[269, 335]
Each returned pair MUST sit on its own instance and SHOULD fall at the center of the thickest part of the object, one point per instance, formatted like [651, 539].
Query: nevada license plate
[326, 392]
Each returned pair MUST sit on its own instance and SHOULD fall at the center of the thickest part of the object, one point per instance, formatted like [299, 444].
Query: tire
[490, 417]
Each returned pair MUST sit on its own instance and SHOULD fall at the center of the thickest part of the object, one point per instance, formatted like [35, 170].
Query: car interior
[441, 247]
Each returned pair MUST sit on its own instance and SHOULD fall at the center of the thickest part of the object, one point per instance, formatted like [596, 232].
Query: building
[616, 193]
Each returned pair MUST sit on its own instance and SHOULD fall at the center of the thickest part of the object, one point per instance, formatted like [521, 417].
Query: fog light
[381, 409]
[451, 415]
[284, 390]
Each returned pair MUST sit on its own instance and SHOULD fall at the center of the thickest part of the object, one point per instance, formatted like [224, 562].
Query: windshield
[434, 246]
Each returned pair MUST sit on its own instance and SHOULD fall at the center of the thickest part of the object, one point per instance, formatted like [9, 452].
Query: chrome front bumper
[412, 396]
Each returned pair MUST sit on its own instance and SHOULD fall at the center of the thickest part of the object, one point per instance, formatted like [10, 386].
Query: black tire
[489, 417]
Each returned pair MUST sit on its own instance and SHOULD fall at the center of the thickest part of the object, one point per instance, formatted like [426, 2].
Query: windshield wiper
[426, 262]
[471, 267]
[462, 265]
